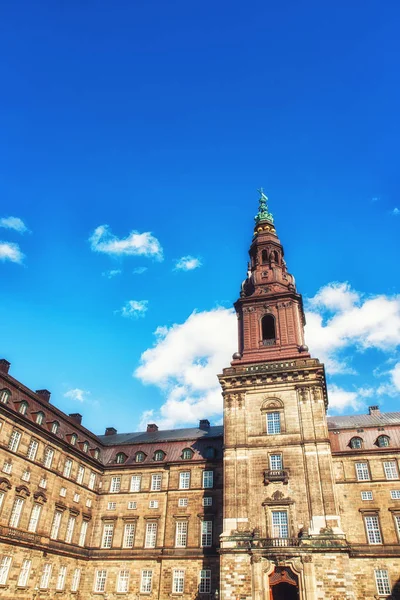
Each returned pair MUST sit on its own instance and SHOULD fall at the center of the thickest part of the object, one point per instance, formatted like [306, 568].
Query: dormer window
[356, 443]
[383, 441]
[39, 418]
[4, 396]
[23, 408]
[187, 454]
[120, 458]
[55, 427]
[74, 439]
[268, 330]
[159, 455]
[85, 446]
[139, 457]
[96, 453]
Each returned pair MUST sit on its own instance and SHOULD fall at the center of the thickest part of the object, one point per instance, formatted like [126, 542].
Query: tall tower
[279, 495]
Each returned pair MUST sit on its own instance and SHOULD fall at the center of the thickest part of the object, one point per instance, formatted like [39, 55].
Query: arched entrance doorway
[283, 584]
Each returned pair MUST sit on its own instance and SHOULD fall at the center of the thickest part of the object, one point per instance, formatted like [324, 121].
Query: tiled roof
[374, 420]
[168, 435]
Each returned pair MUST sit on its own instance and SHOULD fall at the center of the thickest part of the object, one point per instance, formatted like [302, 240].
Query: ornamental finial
[263, 213]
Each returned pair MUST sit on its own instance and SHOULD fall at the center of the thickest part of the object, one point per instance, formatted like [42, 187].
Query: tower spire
[263, 212]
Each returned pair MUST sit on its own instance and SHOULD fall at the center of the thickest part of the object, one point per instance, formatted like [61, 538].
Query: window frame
[378, 530]
[358, 471]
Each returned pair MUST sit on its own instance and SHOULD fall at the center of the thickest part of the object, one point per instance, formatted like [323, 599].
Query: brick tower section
[279, 493]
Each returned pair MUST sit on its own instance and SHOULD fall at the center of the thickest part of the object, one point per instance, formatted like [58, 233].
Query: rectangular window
[115, 484]
[108, 533]
[82, 533]
[76, 497]
[123, 581]
[100, 582]
[184, 480]
[275, 462]
[397, 523]
[26, 475]
[63, 492]
[366, 495]
[55, 528]
[45, 578]
[80, 475]
[14, 441]
[135, 483]
[181, 534]
[273, 423]
[280, 524]
[129, 535]
[362, 471]
[111, 506]
[205, 581]
[67, 468]
[382, 582]
[7, 467]
[34, 519]
[70, 529]
[178, 581]
[208, 479]
[16, 512]
[390, 468]
[76, 577]
[395, 494]
[146, 582]
[132, 505]
[151, 535]
[24, 573]
[373, 530]
[182, 502]
[92, 481]
[153, 504]
[43, 483]
[156, 483]
[32, 450]
[207, 501]
[89, 503]
[206, 534]
[61, 578]
[2, 494]
[48, 457]
[5, 565]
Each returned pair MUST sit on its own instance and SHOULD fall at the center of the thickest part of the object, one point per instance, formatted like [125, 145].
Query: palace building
[279, 503]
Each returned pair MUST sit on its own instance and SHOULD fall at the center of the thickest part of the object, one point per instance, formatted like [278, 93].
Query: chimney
[110, 431]
[76, 417]
[374, 410]
[4, 365]
[151, 428]
[44, 394]
[204, 424]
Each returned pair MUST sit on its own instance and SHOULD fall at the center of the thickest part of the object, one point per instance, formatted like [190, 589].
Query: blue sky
[163, 119]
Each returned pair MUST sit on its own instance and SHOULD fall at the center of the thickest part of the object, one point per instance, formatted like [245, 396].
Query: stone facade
[280, 502]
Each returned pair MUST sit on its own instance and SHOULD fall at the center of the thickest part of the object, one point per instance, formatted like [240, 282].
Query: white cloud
[184, 362]
[395, 376]
[112, 273]
[372, 322]
[134, 309]
[135, 244]
[77, 394]
[14, 223]
[396, 212]
[11, 252]
[187, 263]
[341, 400]
[139, 270]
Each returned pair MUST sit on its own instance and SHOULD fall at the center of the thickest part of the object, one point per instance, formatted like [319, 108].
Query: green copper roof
[263, 214]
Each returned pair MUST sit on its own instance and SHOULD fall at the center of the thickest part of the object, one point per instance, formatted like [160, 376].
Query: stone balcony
[276, 475]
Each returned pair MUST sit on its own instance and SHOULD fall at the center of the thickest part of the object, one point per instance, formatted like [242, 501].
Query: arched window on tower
[276, 257]
[268, 330]
[264, 257]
